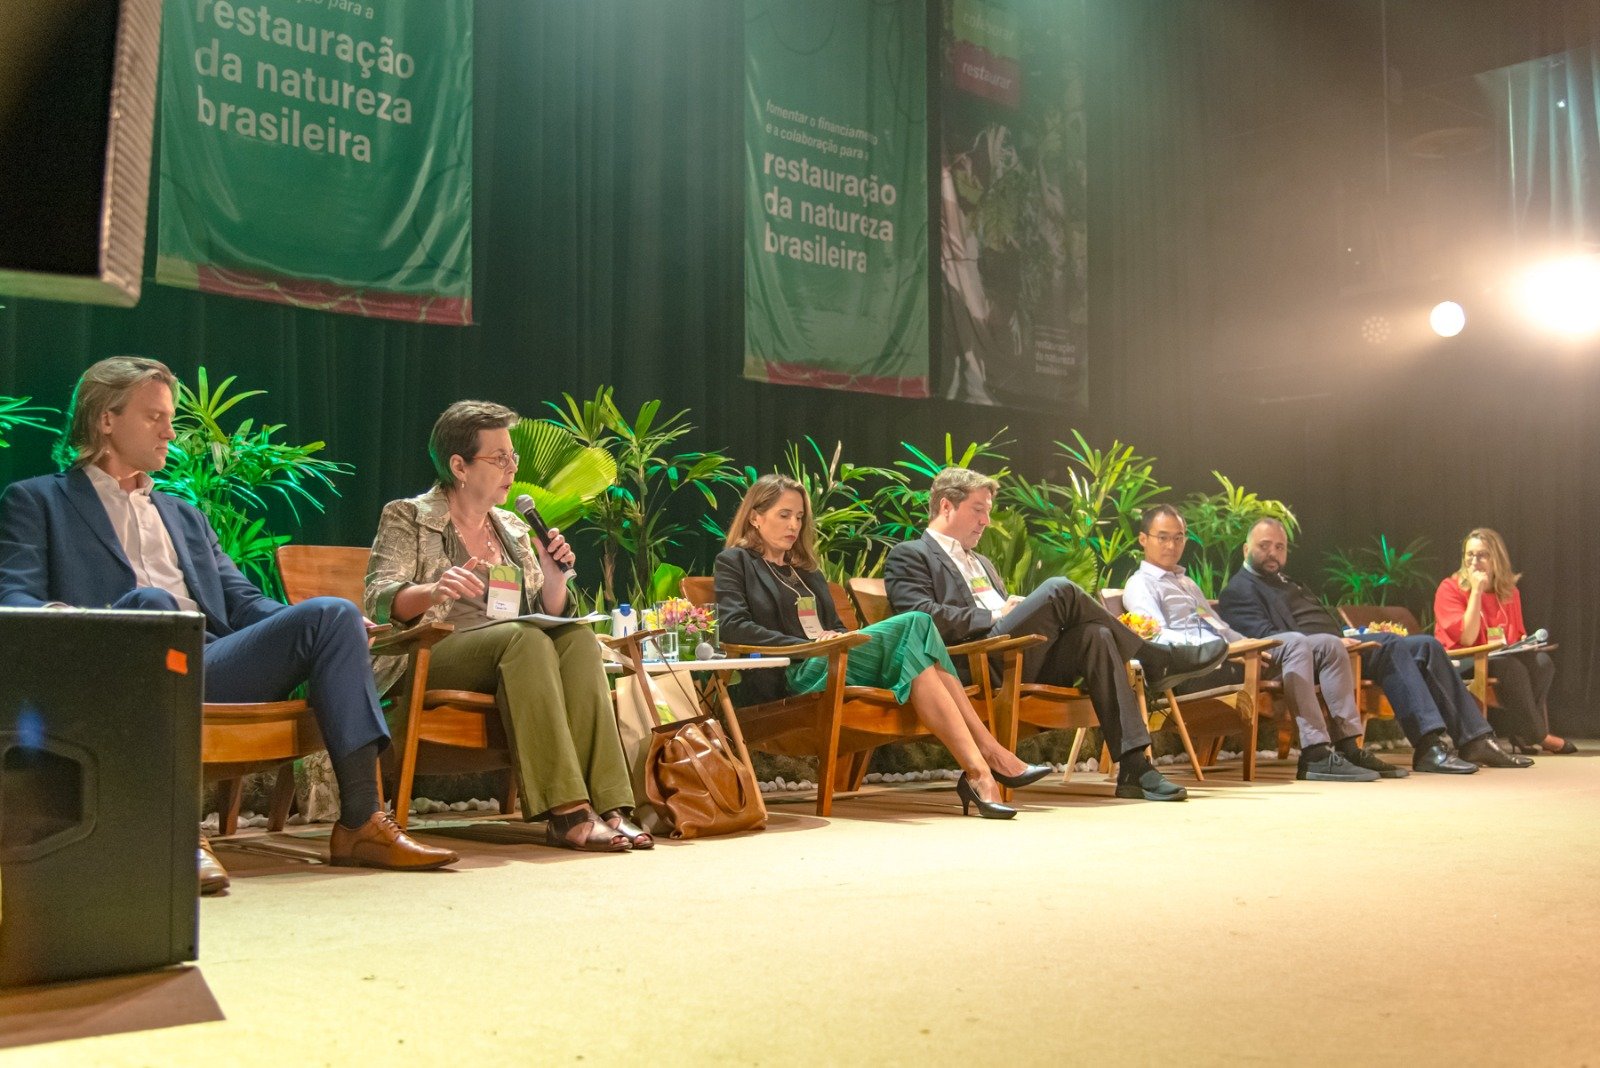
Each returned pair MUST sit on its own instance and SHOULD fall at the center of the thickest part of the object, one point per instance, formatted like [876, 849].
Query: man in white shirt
[942, 574]
[99, 536]
[1162, 590]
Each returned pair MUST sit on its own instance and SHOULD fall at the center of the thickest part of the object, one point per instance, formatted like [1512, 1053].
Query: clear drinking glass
[668, 642]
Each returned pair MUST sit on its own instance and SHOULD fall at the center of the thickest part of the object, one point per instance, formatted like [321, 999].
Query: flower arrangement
[692, 621]
[1143, 626]
[1383, 626]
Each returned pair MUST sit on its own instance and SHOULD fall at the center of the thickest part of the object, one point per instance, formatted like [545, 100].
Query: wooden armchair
[446, 732]
[1215, 713]
[840, 725]
[1362, 616]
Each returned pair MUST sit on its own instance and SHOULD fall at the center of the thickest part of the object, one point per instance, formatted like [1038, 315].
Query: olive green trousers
[552, 692]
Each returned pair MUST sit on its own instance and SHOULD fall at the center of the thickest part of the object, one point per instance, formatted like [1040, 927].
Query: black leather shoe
[1486, 752]
[1364, 758]
[1152, 786]
[1436, 758]
[1030, 774]
[1166, 666]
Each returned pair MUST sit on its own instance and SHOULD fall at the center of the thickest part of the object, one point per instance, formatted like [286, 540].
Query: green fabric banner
[1014, 204]
[836, 206]
[319, 153]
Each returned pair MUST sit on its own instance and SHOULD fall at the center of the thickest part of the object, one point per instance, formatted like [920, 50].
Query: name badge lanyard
[805, 603]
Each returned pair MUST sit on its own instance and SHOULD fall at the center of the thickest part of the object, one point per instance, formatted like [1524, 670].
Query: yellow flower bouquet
[1143, 626]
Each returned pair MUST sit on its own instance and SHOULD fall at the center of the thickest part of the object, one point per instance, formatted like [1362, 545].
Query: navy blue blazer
[919, 576]
[1257, 608]
[56, 544]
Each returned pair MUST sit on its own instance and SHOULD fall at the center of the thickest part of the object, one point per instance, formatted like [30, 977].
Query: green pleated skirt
[902, 647]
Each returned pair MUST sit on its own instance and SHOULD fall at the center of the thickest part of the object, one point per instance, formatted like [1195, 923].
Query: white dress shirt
[144, 537]
[1174, 600]
[987, 597]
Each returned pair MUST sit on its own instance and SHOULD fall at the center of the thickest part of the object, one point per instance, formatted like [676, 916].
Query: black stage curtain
[1234, 147]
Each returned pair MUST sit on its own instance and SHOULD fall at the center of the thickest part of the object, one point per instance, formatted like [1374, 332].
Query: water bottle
[623, 621]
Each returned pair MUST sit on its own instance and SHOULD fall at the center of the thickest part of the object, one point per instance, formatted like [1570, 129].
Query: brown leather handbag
[692, 775]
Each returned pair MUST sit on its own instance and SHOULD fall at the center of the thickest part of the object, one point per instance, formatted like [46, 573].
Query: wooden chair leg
[1285, 742]
[852, 772]
[1214, 750]
[507, 797]
[282, 798]
[1077, 747]
[1250, 741]
[1105, 762]
[228, 810]
[1183, 733]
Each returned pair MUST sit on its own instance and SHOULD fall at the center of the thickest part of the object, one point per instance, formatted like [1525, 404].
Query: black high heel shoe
[989, 810]
[1030, 774]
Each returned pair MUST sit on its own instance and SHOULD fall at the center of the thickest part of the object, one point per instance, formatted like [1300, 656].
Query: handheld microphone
[530, 515]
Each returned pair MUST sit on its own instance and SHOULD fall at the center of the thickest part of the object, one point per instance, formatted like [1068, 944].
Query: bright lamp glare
[1447, 318]
[1563, 296]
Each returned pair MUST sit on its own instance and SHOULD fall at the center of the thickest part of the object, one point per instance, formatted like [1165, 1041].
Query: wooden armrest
[409, 640]
[627, 642]
[996, 643]
[1250, 647]
[1359, 646]
[1474, 650]
[807, 649]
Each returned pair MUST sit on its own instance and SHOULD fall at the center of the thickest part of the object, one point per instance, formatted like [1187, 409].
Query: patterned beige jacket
[410, 549]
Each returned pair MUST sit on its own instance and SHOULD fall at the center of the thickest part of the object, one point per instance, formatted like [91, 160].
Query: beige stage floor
[1435, 920]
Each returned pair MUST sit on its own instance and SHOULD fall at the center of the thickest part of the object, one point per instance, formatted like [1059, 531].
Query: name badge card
[980, 585]
[808, 617]
[505, 591]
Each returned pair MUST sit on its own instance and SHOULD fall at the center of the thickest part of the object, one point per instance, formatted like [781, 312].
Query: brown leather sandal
[598, 837]
[621, 819]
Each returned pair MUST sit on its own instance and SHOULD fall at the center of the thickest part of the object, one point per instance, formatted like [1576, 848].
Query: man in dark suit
[99, 536]
[1415, 672]
[942, 575]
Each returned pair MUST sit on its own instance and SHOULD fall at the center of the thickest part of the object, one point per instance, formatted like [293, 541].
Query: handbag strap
[709, 780]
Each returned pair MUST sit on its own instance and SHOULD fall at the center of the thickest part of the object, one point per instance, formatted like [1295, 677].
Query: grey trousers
[1303, 661]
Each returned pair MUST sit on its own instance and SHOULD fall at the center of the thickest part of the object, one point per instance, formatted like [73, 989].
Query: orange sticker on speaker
[177, 662]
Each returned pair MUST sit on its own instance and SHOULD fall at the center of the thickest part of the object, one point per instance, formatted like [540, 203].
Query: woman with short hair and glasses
[1481, 603]
[452, 556]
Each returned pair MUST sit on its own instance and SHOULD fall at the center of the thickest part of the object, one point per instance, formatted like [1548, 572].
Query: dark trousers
[1421, 682]
[322, 641]
[1521, 687]
[1084, 641]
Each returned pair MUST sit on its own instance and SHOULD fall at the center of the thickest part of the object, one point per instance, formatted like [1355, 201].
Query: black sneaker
[1334, 768]
[1151, 786]
[1365, 758]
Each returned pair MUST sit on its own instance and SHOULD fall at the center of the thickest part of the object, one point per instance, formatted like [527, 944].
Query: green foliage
[560, 473]
[1373, 574]
[1106, 491]
[1218, 524]
[849, 541]
[16, 412]
[232, 476]
[901, 507]
[631, 517]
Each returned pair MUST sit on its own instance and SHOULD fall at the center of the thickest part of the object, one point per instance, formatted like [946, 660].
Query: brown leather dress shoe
[380, 843]
[213, 876]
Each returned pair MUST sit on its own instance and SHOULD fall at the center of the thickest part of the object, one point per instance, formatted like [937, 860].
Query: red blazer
[1450, 602]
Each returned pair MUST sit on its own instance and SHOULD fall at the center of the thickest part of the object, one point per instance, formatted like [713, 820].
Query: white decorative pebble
[458, 806]
[805, 784]
[297, 819]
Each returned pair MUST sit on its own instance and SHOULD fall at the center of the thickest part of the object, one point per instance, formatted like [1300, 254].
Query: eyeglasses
[501, 460]
[1483, 555]
[1167, 539]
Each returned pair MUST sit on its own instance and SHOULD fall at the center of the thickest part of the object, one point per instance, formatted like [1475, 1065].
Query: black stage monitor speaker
[77, 108]
[99, 791]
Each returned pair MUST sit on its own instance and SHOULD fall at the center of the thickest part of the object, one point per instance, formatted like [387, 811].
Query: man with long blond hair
[99, 535]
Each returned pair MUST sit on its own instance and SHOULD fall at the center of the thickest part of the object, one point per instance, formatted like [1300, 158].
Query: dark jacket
[919, 576]
[56, 544]
[1257, 607]
[754, 608]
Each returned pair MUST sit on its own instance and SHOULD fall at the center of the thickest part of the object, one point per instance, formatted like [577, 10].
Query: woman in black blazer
[770, 591]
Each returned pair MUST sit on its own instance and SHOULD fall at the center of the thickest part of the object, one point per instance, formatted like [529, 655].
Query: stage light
[1447, 318]
[1563, 296]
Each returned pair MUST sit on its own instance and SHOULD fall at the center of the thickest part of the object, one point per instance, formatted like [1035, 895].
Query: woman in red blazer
[1480, 603]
